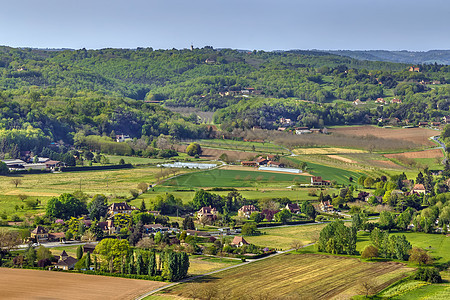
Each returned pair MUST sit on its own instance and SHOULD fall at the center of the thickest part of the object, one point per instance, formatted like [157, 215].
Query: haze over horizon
[262, 25]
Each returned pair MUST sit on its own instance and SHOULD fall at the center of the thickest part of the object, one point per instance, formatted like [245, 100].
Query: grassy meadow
[283, 237]
[437, 245]
[235, 178]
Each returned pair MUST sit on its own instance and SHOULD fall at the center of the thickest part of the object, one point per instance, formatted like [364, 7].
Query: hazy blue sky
[252, 24]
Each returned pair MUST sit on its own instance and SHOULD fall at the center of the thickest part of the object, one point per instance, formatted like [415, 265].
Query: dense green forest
[53, 95]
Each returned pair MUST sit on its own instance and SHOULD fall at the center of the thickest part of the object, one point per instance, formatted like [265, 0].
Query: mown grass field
[437, 245]
[235, 178]
[341, 176]
[117, 182]
[45, 186]
[435, 291]
[204, 264]
[283, 237]
[305, 276]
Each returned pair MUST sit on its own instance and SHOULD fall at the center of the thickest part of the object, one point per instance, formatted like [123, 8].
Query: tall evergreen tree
[152, 264]
[139, 264]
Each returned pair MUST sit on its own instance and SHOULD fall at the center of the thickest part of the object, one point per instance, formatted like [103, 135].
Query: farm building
[317, 180]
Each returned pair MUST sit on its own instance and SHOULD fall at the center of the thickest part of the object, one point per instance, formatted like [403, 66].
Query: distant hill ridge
[410, 57]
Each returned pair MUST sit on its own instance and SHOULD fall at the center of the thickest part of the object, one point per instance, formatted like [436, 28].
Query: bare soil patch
[344, 159]
[35, 284]
[386, 164]
[433, 153]
[414, 135]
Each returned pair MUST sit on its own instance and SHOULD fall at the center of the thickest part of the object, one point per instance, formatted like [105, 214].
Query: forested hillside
[65, 94]
[409, 57]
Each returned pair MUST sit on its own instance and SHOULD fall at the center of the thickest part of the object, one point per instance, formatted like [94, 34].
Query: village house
[285, 122]
[326, 206]
[210, 61]
[414, 69]
[380, 101]
[119, 208]
[395, 100]
[247, 210]
[66, 262]
[39, 234]
[153, 228]
[293, 208]
[357, 102]
[418, 189]
[207, 211]
[317, 180]
[89, 248]
[239, 241]
[120, 138]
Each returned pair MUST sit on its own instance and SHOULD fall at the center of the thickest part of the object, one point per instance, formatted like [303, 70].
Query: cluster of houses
[381, 101]
[244, 92]
[286, 123]
[41, 163]
[261, 161]
[244, 212]
[41, 235]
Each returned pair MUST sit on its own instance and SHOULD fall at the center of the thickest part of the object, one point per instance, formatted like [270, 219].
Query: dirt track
[35, 284]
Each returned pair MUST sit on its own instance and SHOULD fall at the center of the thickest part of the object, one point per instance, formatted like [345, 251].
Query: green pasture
[341, 176]
[267, 147]
[13, 205]
[437, 245]
[283, 237]
[109, 182]
[235, 178]
[431, 291]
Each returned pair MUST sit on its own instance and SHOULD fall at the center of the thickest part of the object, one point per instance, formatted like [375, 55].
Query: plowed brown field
[34, 284]
[418, 136]
[433, 153]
